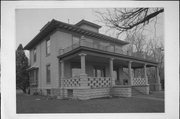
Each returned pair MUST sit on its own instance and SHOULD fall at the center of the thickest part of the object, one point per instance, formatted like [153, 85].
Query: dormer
[88, 26]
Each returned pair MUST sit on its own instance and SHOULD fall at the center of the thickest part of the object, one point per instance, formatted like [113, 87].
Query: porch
[87, 73]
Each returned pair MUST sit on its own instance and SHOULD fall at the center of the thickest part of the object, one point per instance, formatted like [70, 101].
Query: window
[75, 39]
[76, 72]
[48, 74]
[34, 54]
[48, 44]
[34, 77]
[99, 72]
[48, 92]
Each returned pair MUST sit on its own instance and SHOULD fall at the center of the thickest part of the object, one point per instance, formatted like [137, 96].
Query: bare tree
[132, 22]
[125, 19]
[137, 42]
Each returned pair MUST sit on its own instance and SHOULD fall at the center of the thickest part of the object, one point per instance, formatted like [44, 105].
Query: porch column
[83, 63]
[130, 73]
[61, 96]
[111, 70]
[62, 72]
[145, 74]
[83, 75]
[120, 72]
[158, 83]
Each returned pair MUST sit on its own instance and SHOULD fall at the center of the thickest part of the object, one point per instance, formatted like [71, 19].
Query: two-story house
[76, 61]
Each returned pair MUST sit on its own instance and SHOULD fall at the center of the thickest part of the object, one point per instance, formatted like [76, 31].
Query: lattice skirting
[72, 82]
[33, 90]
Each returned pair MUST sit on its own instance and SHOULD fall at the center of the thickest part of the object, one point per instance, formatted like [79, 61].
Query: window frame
[48, 47]
[101, 69]
[48, 74]
[33, 77]
[34, 54]
[75, 37]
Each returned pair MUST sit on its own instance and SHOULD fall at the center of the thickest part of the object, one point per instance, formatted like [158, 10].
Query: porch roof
[116, 56]
[33, 67]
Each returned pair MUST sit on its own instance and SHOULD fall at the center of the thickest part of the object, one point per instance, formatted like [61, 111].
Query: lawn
[40, 104]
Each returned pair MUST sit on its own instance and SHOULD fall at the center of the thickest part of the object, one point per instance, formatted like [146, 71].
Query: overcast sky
[30, 21]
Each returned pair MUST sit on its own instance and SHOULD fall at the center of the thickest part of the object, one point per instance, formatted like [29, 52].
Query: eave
[53, 25]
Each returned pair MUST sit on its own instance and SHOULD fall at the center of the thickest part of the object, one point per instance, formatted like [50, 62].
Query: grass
[40, 104]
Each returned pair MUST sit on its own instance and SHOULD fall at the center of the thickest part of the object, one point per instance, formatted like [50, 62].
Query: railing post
[61, 80]
[111, 70]
[120, 72]
[145, 74]
[83, 75]
[130, 82]
[158, 81]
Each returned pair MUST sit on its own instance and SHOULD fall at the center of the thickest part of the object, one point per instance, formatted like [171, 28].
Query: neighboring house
[76, 61]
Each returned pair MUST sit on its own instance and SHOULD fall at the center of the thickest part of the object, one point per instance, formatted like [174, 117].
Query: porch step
[135, 92]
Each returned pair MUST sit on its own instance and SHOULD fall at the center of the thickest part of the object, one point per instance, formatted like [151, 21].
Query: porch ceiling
[105, 60]
[101, 57]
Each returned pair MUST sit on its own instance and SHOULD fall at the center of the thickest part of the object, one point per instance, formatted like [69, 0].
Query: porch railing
[92, 82]
[99, 82]
[108, 48]
[72, 82]
[139, 81]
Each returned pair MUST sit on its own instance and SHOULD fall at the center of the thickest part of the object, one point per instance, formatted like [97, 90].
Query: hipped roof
[54, 24]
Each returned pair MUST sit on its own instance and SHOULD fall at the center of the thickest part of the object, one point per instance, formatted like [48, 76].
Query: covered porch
[86, 73]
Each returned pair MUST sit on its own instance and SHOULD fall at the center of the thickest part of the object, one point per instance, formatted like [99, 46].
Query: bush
[35, 93]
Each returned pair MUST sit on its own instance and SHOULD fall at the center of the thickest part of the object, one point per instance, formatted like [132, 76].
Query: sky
[30, 21]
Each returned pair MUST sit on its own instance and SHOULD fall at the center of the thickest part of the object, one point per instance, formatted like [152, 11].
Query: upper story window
[75, 39]
[48, 44]
[34, 54]
[34, 77]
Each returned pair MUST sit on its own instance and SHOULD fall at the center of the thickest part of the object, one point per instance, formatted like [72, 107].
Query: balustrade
[92, 82]
[108, 48]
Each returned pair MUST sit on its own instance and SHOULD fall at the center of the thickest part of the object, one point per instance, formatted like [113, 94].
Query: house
[76, 61]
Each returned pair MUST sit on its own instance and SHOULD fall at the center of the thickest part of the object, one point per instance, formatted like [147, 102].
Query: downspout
[40, 71]
[114, 47]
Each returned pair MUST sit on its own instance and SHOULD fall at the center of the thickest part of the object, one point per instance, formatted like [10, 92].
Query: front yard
[41, 104]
